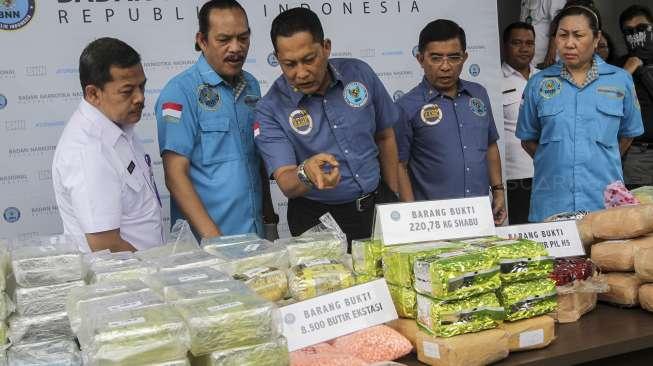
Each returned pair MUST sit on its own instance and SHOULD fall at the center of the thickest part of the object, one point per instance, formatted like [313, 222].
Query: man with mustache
[636, 23]
[102, 178]
[204, 118]
[446, 136]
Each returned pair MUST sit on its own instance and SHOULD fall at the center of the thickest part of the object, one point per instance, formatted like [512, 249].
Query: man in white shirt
[518, 47]
[102, 177]
[540, 13]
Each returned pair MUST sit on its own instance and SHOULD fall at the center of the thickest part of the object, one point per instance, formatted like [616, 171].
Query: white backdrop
[39, 83]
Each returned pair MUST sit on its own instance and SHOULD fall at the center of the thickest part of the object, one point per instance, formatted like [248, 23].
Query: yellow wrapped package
[398, 260]
[319, 277]
[405, 300]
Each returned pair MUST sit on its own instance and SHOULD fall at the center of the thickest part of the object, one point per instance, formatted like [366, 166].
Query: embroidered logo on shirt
[611, 92]
[550, 87]
[251, 100]
[355, 94]
[300, 121]
[171, 112]
[431, 114]
[130, 167]
[208, 97]
[478, 107]
[256, 127]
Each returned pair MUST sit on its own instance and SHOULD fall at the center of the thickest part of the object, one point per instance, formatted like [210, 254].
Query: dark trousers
[303, 214]
[519, 200]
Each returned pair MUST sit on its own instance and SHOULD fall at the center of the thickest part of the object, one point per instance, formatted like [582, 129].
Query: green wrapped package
[450, 318]
[308, 247]
[318, 277]
[367, 255]
[273, 353]
[269, 282]
[361, 278]
[456, 275]
[398, 260]
[405, 299]
[135, 337]
[520, 260]
[480, 240]
[229, 320]
[524, 300]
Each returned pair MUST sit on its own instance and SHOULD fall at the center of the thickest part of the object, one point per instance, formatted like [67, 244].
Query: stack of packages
[45, 270]
[367, 260]
[577, 284]
[6, 305]
[622, 245]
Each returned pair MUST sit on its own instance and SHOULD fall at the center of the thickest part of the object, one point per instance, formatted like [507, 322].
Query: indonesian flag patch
[257, 129]
[172, 112]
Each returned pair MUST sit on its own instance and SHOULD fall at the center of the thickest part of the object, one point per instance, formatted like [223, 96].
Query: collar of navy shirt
[430, 92]
[297, 96]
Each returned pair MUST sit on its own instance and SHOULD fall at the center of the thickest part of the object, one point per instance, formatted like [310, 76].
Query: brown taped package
[614, 255]
[470, 349]
[574, 305]
[585, 231]
[643, 253]
[533, 333]
[624, 289]
[646, 296]
[624, 222]
[407, 328]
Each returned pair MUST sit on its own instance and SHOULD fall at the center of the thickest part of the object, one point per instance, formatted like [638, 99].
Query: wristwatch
[498, 187]
[301, 174]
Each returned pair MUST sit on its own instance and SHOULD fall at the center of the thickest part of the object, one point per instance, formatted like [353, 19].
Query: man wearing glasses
[518, 51]
[446, 135]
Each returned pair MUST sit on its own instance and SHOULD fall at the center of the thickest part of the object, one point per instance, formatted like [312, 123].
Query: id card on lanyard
[151, 181]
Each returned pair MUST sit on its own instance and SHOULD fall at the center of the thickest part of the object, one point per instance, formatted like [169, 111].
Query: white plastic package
[40, 328]
[46, 261]
[181, 240]
[82, 295]
[197, 290]
[229, 320]
[134, 337]
[242, 257]
[273, 353]
[309, 247]
[45, 299]
[121, 272]
[6, 306]
[180, 362]
[229, 240]
[161, 281]
[51, 353]
[187, 260]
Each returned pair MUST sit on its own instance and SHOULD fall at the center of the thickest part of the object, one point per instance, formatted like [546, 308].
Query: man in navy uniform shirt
[324, 130]
[446, 136]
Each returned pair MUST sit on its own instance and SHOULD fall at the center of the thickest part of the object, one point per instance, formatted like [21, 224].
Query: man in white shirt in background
[518, 47]
[539, 14]
[102, 178]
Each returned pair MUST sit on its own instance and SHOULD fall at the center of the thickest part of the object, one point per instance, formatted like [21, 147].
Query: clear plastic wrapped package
[398, 260]
[121, 272]
[82, 295]
[47, 264]
[319, 277]
[6, 306]
[450, 318]
[520, 259]
[187, 260]
[181, 240]
[242, 257]
[229, 240]
[528, 299]
[367, 255]
[404, 299]
[40, 328]
[5, 260]
[229, 320]
[45, 299]
[51, 353]
[3, 334]
[161, 281]
[308, 247]
[273, 353]
[456, 275]
[269, 282]
[180, 362]
[134, 337]
[198, 290]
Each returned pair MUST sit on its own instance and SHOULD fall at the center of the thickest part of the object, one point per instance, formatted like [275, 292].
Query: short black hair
[99, 56]
[634, 11]
[441, 30]
[294, 21]
[516, 25]
[205, 11]
[578, 7]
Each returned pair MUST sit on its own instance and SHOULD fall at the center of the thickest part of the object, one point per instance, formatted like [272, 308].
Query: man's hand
[110, 239]
[323, 170]
[499, 207]
[632, 64]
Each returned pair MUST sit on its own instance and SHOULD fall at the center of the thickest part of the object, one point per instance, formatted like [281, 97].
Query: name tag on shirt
[131, 166]
[509, 91]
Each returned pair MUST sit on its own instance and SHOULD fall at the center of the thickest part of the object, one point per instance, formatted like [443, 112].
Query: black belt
[642, 145]
[366, 201]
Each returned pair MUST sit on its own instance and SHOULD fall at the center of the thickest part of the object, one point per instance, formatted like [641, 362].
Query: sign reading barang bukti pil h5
[561, 238]
[333, 315]
[433, 220]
